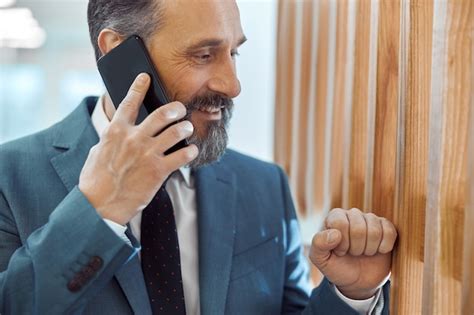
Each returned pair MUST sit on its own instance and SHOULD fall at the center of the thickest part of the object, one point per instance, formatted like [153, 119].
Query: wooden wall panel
[388, 86]
[284, 83]
[299, 163]
[468, 270]
[321, 90]
[386, 117]
[338, 126]
[448, 159]
[409, 214]
[358, 142]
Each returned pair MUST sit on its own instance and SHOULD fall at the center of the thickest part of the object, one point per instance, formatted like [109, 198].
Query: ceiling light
[6, 3]
[19, 29]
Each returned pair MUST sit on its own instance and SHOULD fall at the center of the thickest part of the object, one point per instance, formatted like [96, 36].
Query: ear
[108, 39]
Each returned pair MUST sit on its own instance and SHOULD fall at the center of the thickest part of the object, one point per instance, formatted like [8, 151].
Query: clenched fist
[354, 251]
[126, 168]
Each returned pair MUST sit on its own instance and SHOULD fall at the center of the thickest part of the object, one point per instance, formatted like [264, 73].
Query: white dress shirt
[181, 190]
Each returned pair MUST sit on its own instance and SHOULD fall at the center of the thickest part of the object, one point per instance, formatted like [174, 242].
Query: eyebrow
[213, 42]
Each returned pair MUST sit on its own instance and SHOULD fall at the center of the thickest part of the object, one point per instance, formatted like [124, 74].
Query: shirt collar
[100, 121]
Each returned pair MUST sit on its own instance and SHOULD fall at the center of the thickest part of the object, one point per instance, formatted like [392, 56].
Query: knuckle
[384, 249]
[114, 130]
[358, 232]
[355, 211]
[130, 141]
[375, 233]
[389, 228]
[188, 155]
[179, 107]
[390, 234]
[128, 102]
[370, 216]
[335, 211]
[160, 114]
[338, 223]
[176, 131]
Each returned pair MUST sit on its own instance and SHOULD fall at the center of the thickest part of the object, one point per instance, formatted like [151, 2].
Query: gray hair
[126, 17]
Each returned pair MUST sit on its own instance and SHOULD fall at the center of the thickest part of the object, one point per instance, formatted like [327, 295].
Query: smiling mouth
[211, 112]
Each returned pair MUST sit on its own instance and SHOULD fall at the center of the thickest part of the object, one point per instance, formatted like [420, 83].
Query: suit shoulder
[246, 164]
[28, 148]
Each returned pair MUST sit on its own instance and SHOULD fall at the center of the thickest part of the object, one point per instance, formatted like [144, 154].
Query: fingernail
[142, 78]
[171, 114]
[331, 237]
[188, 126]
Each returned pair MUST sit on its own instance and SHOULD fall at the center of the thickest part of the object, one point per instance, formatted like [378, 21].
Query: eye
[204, 57]
[234, 53]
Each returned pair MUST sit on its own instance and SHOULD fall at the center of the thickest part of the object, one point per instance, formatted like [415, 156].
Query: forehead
[188, 20]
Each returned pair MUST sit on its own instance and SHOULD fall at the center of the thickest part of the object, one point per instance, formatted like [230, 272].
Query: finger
[162, 117]
[181, 157]
[172, 135]
[374, 234]
[322, 244]
[129, 107]
[357, 232]
[337, 219]
[389, 236]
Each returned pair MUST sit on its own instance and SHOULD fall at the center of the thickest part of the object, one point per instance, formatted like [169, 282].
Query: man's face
[194, 52]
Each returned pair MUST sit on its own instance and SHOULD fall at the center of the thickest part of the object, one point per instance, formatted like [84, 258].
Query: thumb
[323, 243]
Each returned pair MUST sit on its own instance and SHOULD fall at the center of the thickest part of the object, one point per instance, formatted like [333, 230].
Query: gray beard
[213, 145]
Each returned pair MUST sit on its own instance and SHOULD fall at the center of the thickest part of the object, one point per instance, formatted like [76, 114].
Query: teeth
[210, 110]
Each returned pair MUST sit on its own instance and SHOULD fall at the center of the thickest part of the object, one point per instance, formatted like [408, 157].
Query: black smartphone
[121, 66]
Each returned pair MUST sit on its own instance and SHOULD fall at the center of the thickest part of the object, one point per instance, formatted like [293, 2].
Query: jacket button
[87, 272]
[95, 263]
[74, 285]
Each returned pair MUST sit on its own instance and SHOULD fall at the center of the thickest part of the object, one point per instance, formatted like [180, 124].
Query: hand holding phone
[120, 67]
[126, 168]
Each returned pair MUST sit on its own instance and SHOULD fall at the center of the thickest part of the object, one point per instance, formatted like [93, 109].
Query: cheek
[185, 85]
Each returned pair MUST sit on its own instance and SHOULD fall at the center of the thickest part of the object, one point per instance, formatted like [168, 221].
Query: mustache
[210, 101]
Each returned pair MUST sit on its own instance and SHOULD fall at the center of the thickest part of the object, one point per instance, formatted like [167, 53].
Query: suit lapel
[74, 138]
[216, 196]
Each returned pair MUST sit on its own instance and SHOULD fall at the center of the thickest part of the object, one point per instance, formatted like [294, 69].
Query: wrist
[114, 216]
[106, 212]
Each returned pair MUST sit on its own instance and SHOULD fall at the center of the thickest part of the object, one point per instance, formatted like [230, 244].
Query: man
[217, 229]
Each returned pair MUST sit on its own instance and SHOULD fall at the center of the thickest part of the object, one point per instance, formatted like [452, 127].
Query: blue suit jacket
[57, 256]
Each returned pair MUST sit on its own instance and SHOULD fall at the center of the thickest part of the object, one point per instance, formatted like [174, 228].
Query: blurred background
[47, 67]
[364, 103]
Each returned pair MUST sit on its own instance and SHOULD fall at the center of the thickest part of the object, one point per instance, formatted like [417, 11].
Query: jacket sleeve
[298, 297]
[60, 265]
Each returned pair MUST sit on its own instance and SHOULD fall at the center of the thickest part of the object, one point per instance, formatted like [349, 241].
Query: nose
[224, 80]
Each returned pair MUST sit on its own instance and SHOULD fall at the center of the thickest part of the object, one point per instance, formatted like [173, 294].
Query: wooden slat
[442, 253]
[348, 99]
[311, 114]
[320, 103]
[301, 102]
[409, 214]
[284, 86]
[338, 125]
[386, 117]
[371, 103]
[468, 270]
[358, 151]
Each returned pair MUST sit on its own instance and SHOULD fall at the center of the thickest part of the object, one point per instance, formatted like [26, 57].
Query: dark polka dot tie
[160, 256]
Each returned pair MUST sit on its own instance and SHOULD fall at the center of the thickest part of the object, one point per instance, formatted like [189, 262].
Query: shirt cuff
[360, 306]
[119, 230]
